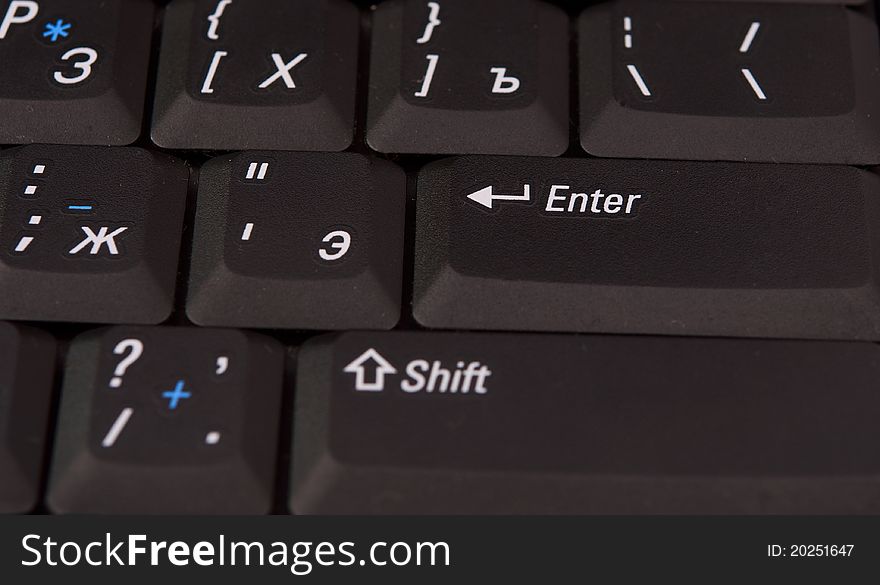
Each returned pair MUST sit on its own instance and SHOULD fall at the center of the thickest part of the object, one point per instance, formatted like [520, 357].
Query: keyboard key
[623, 246]
[252, 74]
[74, 71]
[730, 81]
[89, 234]
[27, 363]
[443, 423]
[298, 241]
[167, 420]
[456, 76]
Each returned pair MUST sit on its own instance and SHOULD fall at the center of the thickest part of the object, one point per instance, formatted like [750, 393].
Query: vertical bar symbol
[246, 234]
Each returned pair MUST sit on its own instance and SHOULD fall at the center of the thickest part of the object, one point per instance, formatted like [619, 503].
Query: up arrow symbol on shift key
[369, 361]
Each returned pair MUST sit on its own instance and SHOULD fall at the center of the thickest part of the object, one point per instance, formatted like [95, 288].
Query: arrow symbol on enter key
[486, 196]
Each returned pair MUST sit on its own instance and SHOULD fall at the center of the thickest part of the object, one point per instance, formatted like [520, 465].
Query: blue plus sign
[175, 396]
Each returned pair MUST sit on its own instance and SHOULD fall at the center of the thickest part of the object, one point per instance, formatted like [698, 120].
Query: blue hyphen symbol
[57, 29]
[175, 396]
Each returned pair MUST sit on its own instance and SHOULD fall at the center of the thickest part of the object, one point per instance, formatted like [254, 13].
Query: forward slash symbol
[750, 37]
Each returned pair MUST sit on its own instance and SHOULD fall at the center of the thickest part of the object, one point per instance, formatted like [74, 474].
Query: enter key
[648, 247]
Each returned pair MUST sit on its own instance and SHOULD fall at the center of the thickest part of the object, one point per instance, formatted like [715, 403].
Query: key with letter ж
[89, 234]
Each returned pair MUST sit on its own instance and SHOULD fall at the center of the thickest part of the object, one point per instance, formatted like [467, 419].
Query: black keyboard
[430, 257]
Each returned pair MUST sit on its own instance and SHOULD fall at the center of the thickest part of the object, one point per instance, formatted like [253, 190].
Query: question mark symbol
[137, 348]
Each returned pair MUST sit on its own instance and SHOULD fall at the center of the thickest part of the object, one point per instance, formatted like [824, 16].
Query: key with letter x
[168, 420]
[276, 74]
[89, 234]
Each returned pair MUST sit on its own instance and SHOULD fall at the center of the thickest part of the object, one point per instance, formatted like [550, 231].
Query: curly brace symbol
[214, 19]
[433, 22]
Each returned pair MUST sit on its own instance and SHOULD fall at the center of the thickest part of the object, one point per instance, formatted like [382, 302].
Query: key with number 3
[74, 71]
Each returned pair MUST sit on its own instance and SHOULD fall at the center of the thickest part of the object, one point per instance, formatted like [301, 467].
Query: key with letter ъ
[762, 82]
[448, 423]
[89, 234]
[298, 241]
[168, 420]
[648, 247]
[27, 363]
[455, 76]
[74, 71]
[250, 74]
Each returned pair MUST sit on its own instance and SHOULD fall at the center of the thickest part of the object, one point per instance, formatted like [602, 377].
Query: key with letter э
[623, 246]
[298, 241]
[440, 423]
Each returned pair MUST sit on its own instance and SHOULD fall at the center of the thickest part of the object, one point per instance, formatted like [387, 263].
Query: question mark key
[142, 416]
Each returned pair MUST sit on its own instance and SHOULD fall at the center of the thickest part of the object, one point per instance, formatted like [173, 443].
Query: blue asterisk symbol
[56, 29]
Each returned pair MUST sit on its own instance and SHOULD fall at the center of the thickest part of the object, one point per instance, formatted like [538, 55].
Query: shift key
[479, 423]
[648, 247]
